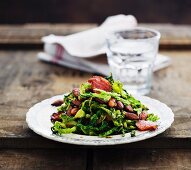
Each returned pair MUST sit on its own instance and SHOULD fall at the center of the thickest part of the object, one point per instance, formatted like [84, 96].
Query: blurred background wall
[83, 11]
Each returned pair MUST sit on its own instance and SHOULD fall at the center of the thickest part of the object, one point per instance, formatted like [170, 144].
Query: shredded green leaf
[98, 118]
[152, 117]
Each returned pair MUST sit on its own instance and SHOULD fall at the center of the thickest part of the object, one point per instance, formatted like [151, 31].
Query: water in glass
[131, 63]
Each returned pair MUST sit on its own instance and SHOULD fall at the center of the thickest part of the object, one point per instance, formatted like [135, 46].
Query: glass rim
[156, 36]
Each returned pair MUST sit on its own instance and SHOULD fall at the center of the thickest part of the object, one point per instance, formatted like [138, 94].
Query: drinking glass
[131, 54]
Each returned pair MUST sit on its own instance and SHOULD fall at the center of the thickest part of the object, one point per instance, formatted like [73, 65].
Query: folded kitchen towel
[93, 65]
[91, 42]
[82, 50]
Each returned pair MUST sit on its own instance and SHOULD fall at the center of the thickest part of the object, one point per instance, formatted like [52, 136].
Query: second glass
[131, 54]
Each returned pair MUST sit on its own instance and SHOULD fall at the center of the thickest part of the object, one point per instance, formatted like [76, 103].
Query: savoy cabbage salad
[101, 107]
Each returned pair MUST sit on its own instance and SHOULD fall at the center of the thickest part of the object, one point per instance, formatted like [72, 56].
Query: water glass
[131, 54]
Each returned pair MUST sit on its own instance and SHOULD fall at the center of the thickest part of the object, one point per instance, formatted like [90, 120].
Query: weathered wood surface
[32, 33]
[25, 81]
[29, 35]
[100, 159]
[57, 159]
[142, 159]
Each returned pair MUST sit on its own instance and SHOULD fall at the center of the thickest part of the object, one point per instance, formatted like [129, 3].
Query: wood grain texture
[25, 81]
[29, 35]
[32, 33]
[100, 159]
[142, 159]
[42, 159]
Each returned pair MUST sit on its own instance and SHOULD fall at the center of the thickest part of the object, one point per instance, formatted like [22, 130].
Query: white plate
[38, 119]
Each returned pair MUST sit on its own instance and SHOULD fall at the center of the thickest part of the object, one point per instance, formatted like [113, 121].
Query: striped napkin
[85, 50]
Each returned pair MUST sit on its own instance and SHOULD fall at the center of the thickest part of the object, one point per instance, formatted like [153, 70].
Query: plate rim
[63, 139]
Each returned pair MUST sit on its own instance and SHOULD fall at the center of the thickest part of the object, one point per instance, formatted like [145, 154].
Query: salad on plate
[101, 107]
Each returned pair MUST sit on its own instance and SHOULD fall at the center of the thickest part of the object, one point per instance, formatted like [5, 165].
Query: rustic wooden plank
[32, 33]
[142, 159]
[29, 35]
[23, 159]
[172, 36]
[102, 159]
[25, 81]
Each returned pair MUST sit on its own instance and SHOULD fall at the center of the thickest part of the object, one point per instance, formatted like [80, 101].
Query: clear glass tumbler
[131, 54]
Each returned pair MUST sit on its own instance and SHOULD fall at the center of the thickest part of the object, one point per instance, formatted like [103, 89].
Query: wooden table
[25, 81]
